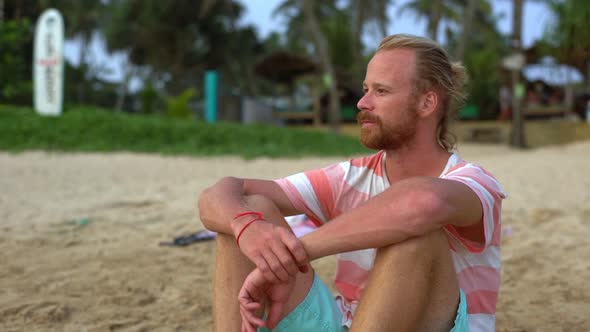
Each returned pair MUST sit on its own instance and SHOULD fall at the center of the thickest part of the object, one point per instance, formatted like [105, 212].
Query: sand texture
[80, 233]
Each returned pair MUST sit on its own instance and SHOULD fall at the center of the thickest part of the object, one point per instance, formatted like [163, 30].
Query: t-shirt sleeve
[313, 192]
[490, 194]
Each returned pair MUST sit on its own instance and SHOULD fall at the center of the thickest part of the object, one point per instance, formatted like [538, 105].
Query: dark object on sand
[185, 240]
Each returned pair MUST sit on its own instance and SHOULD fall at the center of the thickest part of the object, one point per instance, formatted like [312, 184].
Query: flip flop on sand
[181, 241]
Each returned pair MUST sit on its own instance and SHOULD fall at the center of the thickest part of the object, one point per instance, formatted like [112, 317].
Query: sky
[536, 17]
[259, 13]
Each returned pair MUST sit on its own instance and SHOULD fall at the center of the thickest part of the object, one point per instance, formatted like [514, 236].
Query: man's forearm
[356, 230]
[412, 208]
[220, 203]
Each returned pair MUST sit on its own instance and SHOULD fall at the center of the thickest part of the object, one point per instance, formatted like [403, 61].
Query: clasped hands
[278, 255]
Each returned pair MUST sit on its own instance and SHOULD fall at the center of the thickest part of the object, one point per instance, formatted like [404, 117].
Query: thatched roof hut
[284, 67]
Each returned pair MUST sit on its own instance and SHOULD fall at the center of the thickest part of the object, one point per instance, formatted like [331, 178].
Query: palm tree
[82, 20]
[362, 14]
[297, 31]
[517, 23]
[518, 136]
[365, 12]
[435, 11]
[323, 53]
[469, 12]
[304, 30]
[571, 20]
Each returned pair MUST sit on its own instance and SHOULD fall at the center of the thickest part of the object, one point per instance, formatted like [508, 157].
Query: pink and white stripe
[328, 192]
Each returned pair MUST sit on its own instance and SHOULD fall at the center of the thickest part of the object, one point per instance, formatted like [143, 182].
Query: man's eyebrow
[377, 85]
[382, 85]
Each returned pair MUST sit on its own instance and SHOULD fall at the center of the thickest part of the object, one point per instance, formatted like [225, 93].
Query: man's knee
[428, 246]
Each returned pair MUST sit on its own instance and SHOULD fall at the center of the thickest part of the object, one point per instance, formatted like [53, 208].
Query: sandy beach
[80, 234]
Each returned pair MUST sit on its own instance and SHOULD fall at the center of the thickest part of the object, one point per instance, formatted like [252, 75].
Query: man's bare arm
[219, 203]
[268, 242]
[409, 208]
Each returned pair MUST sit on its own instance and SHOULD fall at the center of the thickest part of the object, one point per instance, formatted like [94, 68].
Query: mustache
[367, 116]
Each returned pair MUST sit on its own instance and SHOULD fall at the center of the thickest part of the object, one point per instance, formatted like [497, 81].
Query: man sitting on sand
[417, 228]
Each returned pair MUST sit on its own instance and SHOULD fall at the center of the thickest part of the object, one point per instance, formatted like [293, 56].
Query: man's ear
[427, 104]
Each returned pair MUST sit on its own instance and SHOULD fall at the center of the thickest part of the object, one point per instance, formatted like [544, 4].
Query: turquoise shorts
[318, 313]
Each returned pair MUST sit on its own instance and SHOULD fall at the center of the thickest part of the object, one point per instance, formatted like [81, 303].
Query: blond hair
[434, 70]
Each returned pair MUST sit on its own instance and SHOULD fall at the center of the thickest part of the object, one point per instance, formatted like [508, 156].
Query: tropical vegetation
[169, 45]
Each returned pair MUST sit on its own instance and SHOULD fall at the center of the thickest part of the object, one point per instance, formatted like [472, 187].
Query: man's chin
[369, 143]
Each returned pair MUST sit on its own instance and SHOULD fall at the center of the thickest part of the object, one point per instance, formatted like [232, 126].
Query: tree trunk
[434, 20]
[383, 29]
[1, 11]
[382, 21]
[83, 66]
[517, 24]
[466, 30]
[124, 89]
[17, 10]
[517, 137]
[251, 86]
[357, 46]
[324, 54]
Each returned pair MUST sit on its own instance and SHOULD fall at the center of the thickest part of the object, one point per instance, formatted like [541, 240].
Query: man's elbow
[202, 207]
[209, 199]
[430, 211]
[205, 202]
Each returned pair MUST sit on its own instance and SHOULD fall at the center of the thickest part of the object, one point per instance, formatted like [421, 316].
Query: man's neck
[415, 161]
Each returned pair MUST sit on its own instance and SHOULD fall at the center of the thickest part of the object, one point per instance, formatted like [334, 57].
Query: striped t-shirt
[328, 192]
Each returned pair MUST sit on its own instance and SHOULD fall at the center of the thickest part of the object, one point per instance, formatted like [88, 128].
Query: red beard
[382, 136]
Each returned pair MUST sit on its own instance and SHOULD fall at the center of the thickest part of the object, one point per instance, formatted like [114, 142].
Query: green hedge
[91, 129]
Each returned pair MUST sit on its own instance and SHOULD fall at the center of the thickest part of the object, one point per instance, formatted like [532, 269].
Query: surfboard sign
[48, 63]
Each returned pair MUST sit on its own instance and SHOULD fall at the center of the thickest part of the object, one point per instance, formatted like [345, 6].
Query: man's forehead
[394, 62]
[402, 57]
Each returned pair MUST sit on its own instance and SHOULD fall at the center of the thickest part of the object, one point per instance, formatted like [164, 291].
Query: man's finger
[289, 262]
[277, 268]
[252, 306]
[251, 317]
[245, 316]
[247, 326]
[285, 258]
[245, 323]
[267, 272]
[296, 248]
[304, 268]
[250, 292]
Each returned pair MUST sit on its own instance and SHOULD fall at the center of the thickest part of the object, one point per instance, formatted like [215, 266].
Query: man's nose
[364, 104]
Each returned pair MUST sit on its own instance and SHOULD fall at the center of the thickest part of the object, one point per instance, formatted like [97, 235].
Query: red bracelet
[258, 214]
[244, 228]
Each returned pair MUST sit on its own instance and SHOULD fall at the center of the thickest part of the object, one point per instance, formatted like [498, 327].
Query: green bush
[178, 106]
